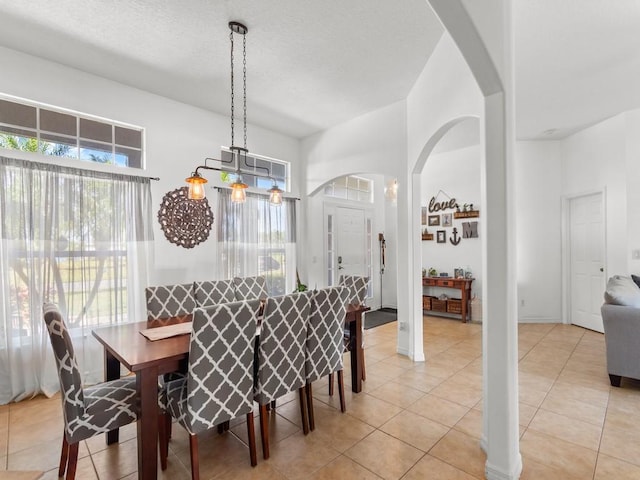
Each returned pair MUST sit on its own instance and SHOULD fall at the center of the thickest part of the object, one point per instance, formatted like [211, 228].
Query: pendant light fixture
[238, 188]
[275, 195]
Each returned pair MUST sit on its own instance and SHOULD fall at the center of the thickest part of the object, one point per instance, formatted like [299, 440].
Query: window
[351, 188]
[78, 238]
[58, 133]
[257, 167]
[257, 238]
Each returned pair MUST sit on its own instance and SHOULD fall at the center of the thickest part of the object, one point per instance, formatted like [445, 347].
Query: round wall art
[185, 222]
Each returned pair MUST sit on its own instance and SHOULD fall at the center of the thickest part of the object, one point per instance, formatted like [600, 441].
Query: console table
[462, 284]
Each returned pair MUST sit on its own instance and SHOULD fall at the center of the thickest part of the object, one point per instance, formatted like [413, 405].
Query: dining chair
[357, 286]
[169, 304]
[325, 341]
[249, 288]
[281, 356]
[213, 292]
[87, 411]
[219, 382]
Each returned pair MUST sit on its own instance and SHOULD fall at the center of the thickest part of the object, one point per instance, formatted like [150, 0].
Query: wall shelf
[471, 214]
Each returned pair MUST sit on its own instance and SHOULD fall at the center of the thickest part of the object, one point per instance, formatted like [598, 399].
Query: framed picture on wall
[447, 219]
[434, 220]
[441, 236]
[424, 215]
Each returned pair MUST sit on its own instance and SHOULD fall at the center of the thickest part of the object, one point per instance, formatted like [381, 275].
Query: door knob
[602, 269]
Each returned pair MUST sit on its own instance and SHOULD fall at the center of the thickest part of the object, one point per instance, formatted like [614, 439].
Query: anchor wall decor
[455, 240]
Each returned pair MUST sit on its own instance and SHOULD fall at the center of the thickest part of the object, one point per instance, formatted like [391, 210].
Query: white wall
[633, 192]
[390, 277]
[539, 231]
[595, 159]
[178, 138]
[458, 174]
[445, 90]
[372, 145]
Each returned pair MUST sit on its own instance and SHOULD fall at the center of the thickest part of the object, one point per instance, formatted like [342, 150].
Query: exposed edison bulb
[238, 193]
[196, 191]
[275, 196]
[196, 187]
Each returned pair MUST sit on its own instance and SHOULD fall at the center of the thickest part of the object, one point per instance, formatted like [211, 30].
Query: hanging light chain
[244, 81]
[232, 92]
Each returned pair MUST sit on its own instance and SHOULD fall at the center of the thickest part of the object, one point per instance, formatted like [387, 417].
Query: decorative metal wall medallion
[185, 222]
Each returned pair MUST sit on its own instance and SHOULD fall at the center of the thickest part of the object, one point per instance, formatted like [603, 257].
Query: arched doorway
[488, 54]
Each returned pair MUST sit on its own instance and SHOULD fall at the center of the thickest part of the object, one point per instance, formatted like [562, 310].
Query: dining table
[353, 320]
[124, 345]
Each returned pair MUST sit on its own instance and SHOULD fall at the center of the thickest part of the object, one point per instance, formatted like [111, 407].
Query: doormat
[376, 318]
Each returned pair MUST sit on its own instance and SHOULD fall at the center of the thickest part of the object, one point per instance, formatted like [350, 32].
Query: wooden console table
[462, 284]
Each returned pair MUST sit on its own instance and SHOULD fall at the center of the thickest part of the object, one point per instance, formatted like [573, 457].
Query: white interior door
[351, 248]
[587, 260]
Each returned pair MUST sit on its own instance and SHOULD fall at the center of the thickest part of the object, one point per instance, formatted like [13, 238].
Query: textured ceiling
[577, 63]
[313, 64]
[310, 64]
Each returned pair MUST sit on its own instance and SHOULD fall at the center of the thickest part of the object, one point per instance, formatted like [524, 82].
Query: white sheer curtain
[79, 238]
[257, 238]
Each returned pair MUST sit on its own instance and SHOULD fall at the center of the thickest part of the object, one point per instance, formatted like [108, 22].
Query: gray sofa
[621, 319]
[622, 338]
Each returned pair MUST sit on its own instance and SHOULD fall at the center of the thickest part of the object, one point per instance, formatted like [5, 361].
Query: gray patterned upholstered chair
[281, 356]
[357, 286]
[169, 304]
[214, 292]
[249, 288]
[325, 343]
[219, 383]
[90, 411]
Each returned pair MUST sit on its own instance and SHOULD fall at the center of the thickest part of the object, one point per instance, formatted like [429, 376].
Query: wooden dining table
[125, 345]
[353, 320]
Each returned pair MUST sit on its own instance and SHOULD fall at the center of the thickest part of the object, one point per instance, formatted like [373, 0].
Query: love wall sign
[469, 229]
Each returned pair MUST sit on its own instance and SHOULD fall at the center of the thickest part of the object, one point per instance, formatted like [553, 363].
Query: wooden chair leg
[72, 462]
[195, 463]
[168, 427]
[252, 439]
[63, 456]
[302, 393]
[312, 420]
[264, 431]
[364, 371]
[223, 427]
[163, 439]
[272, 405]
[343, 406]
[331, 384]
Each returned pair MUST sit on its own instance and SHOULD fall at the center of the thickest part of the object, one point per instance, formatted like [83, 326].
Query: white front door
[351, 251]
[586, 237]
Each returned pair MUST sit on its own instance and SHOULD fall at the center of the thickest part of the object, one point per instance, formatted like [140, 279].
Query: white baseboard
[494, 473]
[404, 351]
[534, 319]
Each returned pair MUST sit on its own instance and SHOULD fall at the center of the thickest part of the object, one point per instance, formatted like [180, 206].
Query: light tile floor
[412, 421]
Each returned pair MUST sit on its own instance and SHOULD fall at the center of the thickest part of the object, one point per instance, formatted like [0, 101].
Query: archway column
[500, 328]
[500, 322]
[417, 342]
